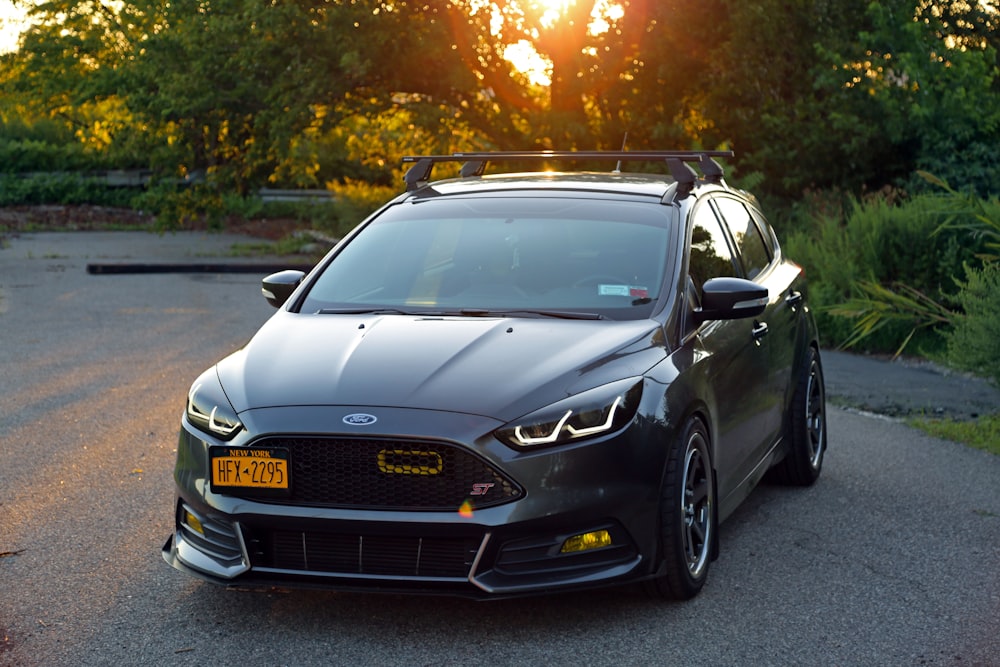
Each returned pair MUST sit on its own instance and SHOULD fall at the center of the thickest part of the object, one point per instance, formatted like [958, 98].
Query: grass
[981, 433]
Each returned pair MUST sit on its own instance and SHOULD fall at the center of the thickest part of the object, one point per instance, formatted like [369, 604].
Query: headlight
[600, 410]
[209, 410]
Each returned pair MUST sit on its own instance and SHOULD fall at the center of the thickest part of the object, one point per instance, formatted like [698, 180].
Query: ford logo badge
[360, 419]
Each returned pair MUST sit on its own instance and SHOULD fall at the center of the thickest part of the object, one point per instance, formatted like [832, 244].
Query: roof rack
[474, 164]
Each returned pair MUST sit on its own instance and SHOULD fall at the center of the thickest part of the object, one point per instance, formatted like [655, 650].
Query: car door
[733, 364]
[777, 325]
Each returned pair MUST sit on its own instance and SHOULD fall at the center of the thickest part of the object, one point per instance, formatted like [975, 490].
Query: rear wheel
[687, 517]
[806, 430]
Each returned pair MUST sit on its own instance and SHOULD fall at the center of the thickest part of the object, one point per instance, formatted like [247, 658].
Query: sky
[10, 17]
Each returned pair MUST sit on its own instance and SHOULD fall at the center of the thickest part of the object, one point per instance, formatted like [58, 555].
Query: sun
[535, 66]
[523, 56]
[551, 10]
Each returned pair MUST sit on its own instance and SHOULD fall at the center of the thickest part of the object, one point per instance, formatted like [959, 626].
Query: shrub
[356, 200]
[878, 245]
[61, 189]
[974, 343]
[176, 206]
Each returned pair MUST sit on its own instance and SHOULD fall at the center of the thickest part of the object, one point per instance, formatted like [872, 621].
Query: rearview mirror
[277, 287]
[730, 299]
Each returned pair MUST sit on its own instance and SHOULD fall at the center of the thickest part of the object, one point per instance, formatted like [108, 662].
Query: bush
[61, 189]
[176, 206]
[974, 344]
[885, 244]
[356, 200]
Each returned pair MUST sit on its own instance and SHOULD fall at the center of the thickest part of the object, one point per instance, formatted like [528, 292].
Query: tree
[808, 93]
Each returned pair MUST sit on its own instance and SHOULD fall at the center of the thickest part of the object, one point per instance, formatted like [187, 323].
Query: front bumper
[607, 487]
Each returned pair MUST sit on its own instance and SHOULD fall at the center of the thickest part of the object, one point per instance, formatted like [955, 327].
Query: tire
[688, 517]
[806, 428]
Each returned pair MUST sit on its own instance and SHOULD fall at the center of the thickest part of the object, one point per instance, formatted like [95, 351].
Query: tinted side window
[767, 231]
[711, 256]
[754, 255]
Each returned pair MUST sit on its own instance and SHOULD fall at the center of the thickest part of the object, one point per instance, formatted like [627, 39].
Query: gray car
[509, 384]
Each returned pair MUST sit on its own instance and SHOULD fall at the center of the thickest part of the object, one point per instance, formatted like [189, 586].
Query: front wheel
[806, 430]
[687, 517]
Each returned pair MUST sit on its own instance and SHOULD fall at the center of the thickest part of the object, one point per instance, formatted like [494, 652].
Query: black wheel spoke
[698, 494]
[698, 533]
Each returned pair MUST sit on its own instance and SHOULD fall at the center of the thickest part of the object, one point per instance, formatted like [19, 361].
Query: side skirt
[729, 504]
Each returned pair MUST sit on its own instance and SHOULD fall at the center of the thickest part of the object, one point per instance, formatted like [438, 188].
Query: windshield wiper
[371, 310]
[525, 312]
[465, 312]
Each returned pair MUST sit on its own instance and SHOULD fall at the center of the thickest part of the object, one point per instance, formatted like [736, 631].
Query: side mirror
[730, 299]
[277, 287]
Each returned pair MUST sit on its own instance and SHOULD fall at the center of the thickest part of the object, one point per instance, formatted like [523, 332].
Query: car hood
[494, 367]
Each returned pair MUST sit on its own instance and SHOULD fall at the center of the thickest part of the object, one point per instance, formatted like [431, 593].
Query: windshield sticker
[633, 291]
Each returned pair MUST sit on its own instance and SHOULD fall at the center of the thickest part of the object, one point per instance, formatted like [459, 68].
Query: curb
[120, 269]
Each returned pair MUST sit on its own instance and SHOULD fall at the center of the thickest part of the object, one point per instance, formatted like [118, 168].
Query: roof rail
[474, 164]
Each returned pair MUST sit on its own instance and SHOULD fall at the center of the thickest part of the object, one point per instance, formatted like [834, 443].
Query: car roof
[678, 183]
[648, 185]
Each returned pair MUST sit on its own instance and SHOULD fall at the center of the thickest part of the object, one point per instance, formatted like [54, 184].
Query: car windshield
[501, 254]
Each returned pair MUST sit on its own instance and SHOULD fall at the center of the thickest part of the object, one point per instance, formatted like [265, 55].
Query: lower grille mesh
[346, 554]
[390, 474]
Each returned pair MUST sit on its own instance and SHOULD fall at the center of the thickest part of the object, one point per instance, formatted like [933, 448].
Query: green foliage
[354, 201]
[877, 307]
[974, 344]
[252, 93]
[982, 433]
[975, 166]
[33, 144]
[978, 217]
[905, 95]
[29, 155]
[890, 272]
[57, 188]
[886, 271]
[176, 207]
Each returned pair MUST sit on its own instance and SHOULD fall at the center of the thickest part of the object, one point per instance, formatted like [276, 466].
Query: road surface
[892, 558]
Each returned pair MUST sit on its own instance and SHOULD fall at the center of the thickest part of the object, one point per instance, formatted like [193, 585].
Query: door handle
[794, 299]
[758, 332]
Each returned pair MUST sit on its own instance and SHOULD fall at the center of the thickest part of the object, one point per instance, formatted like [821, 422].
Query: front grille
[352, 554]
[390, 474]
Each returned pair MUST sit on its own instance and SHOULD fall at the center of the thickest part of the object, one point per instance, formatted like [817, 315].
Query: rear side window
[753, 253]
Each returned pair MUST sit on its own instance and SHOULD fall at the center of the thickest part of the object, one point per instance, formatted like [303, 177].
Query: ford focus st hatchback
[509, 384]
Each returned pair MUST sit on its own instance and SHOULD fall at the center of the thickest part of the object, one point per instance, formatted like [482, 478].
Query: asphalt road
[892, 558]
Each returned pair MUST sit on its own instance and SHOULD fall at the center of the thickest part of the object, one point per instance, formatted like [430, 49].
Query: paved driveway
[892, 558]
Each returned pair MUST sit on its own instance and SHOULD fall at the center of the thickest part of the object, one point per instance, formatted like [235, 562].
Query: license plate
[254, 468]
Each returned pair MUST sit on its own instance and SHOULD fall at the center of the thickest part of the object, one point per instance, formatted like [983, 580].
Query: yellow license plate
[249, 468]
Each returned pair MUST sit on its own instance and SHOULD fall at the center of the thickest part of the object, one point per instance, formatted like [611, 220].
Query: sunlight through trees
[843, 93]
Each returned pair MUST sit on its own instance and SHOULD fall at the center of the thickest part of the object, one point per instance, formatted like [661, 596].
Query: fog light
[193, 523]
[586, 541]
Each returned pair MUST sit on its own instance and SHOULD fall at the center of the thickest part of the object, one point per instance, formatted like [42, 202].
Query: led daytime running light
[223, 427]
[576, 433]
